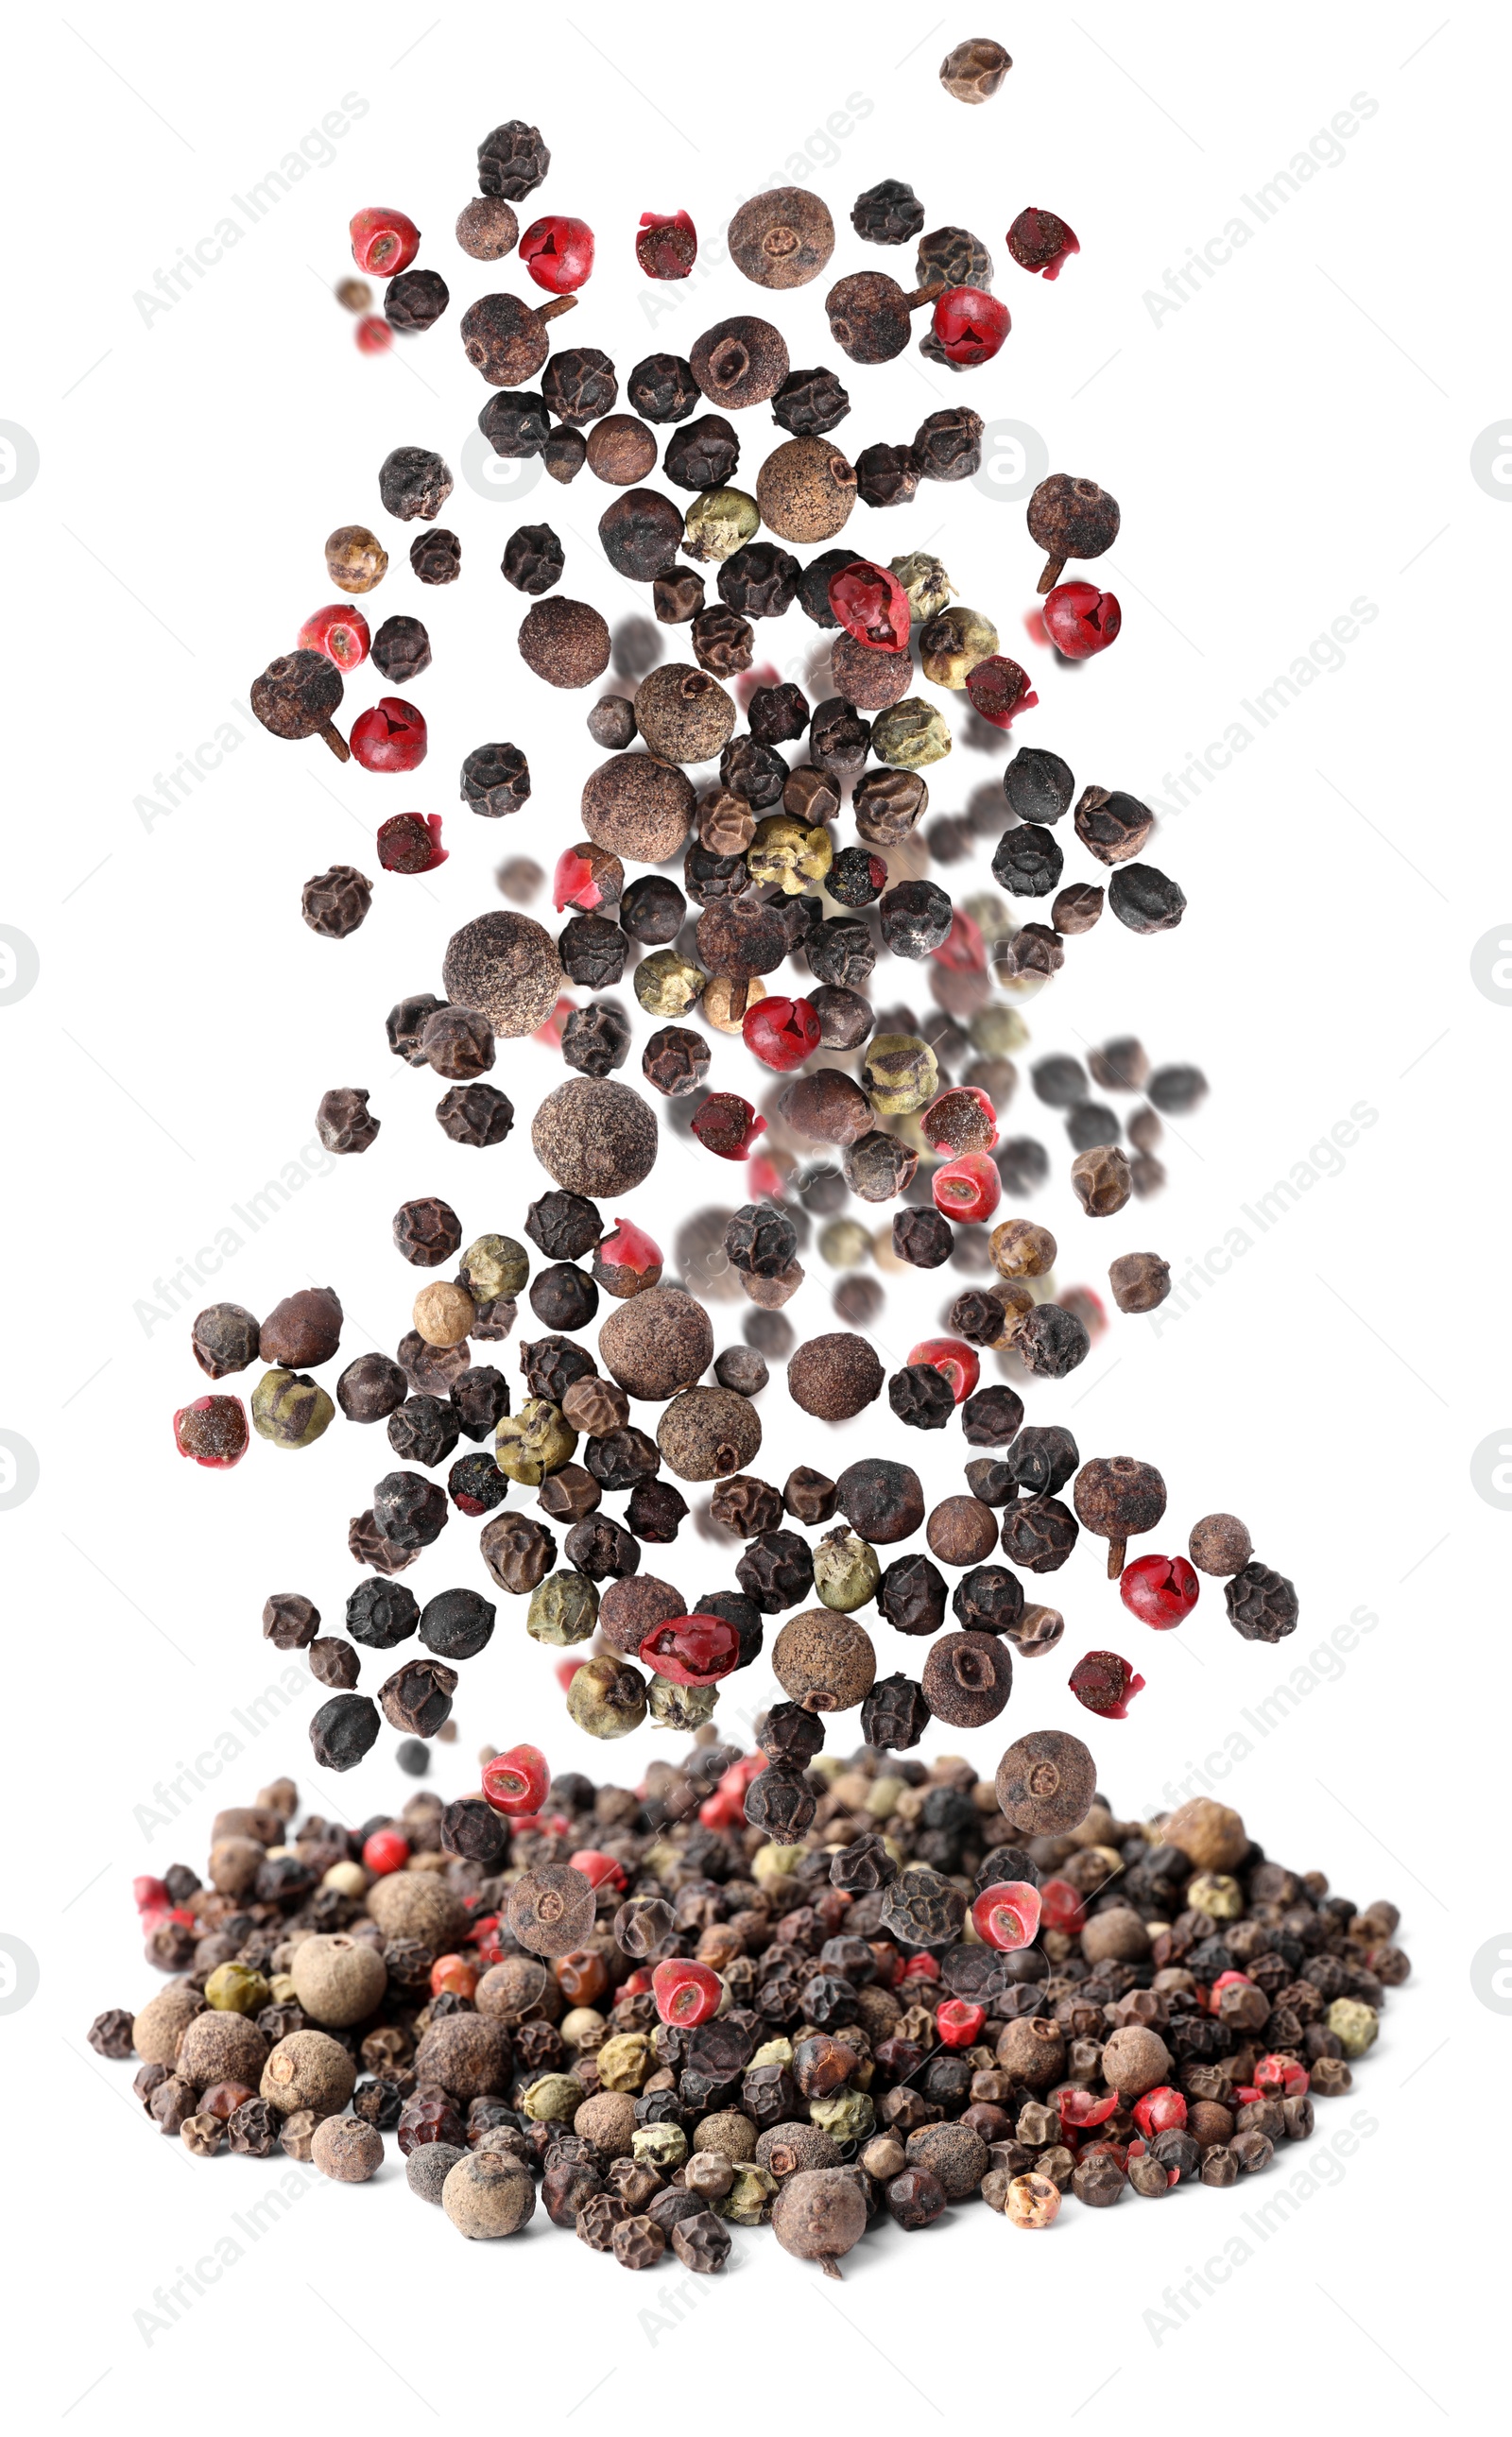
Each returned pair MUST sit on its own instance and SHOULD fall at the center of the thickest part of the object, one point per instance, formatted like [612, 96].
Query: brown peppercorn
[564, 641]
[1219, 1544]
[1136, 2059]
[707, 1432]
[1021, 1249]
[634, 1606]
[834, 1377]
[827, 1107]
[683, 713]
[550, 1909]
[1113, 827]
[805, 491]
[824, 1661]
[356, 560]
[1211, 1836]
[656, 1343]
[782, 240]
[1077, 908]
[742, 361]
[1115, 1496]
[507, 967]
[518, 1552]
[967, 1678]
[820, 2213]
[343, 1122]
[961, 1532]
[289, 1621]
[221, 2046]
[487, 228]
[594, 1136]
[1046, 1783]
[868, 315]
[1071, 517]
[1140, 1281]
[621, 450]
[336, 902]
[638, 807]
[974, 70]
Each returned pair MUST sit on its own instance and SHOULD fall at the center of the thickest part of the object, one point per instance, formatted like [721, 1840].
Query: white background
[1295, 437]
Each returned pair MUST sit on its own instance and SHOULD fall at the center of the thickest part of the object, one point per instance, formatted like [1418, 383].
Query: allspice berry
[740, 362]
[656, 1343]
[961, 1532]
[621, 450]
[507, 967]
[1071, 517]
[683, 714]
[308, 2070]
[219, 2046]
[782, 240]
[418, 1905]
[819, 2214]
[595, 1137]
[805, 491]
[824, 1661]
[486, 2196]
[337, 1980]
[564, 641]
[1046, 1782]
[708, 1432]
[1136, 2059]
[347, 2149]
[968, 1678]
[1213, 1837]
[1116, 1496]
[1219, 1544]
[835, 1377]
[638, 807]
[550, 1909]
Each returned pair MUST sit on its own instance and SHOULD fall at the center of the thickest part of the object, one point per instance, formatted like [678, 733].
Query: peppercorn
[868, 315]
[1144, 900]
[780, 240]
[1262, 1604]
[1219, 1544]
[1045, 1784]
[335, 902]
[887, 476]
[741, 361]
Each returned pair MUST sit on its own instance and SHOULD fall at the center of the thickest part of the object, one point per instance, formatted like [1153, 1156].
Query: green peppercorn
[844, 1244]
[846, 1571]
[666, 983]
[663, 2146]
[533, 1443]
[1220, 1898]
[236, 1989]
[606, 1698]
[750, 2197]
[290, 1410]
[953, 643]
[910, 735]
[718, 524]
[563, 1609]
[899, 1073]
[997, 1031]
[926, 584]
[787, 854]
[495, 1268]
[684, 1708]
[555, 2099]
[1354, 2024]
[625, 2061]
[845, 2116]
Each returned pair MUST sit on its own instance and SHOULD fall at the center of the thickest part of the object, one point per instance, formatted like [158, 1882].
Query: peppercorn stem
[1054, 570]
[925, 295]
[1116, 1550]
[331, 735]
[557, 305]
[831, 2270]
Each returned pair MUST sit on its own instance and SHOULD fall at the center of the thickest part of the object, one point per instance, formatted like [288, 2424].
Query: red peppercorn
[485, 1936]
[149, 1895]
[514, 1781]
[340, 632]
[1081, 621]
[385, 1850]
[1105, 1683]
[781, 1032]
[411, 842]
[968, 1188]
[1281, 2076]
[959, 2023]
[638, 1985]
[389, 736]
[384, 241]
[691, 1649]
[600, 1869]
[1006, 1916]
[963, 950]
[998, 690]
[455, 1972]
[628, 1247]
[373, 335]
[970, 324]
[1160, 2111]
[1229, 1980]
[918, 1967]
[686, 1992]
[871, 605]
[764, 1182]
[954, 1359]
[727, 1126]
[959, 1119]
[566, 1668]
[1062, 1908]
[666, 245]
[1042, 241]
[212, 1431]
[1080, 2109]
[558, 253]
[586, 878]
[550, 1036]
[1160, 1591]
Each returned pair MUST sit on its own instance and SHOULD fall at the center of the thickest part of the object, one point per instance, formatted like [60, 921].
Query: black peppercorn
[336, 902]
[916, 917]
[951, 257]
[611, 721]
[663, 390]
[723, 643]
[401, 649]
[341, 1733]
[475, 1115]
[703, 455]
[427, 1231]
[512, 160]
[1039, 1533]
[759, 580]
[911, 1595]
[1051, 1341]
[414, 482]
[495, 781]
[676, 1061]
[1028, 863]
[887, 476]
[563, 1297]
[1262, 1604]
[423, 1430]
[533, 560]
[592, 949]
[640, 533]
[888, 214]
[515, 423]
[595, 1041]
[947, 447]
[564, 1226]
[579, 384]
[436, 557]
[889, 805]
[921, 1397]
[415, 299]
[776, 1570]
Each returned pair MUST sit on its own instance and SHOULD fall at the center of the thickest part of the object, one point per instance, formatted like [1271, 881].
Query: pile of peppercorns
[943, 1986]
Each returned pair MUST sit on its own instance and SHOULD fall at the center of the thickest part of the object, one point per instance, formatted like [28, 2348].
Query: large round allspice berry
[806, 490]
[1046, 1782]
[819, 2214]
[824, 1661]
[782, 239]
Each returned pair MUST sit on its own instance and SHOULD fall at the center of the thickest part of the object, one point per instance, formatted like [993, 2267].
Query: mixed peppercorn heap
[944, 1987]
